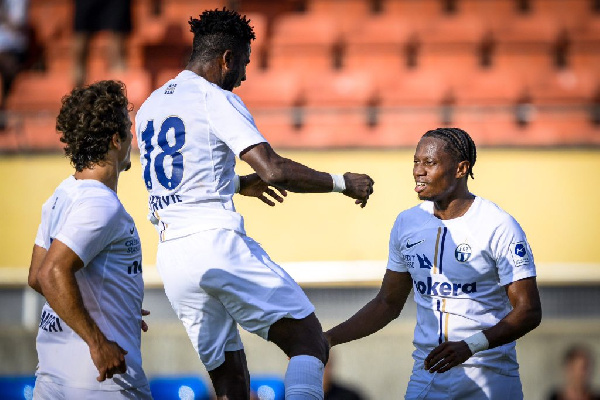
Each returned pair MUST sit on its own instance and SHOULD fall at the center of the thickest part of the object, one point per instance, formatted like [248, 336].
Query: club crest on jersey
[463, 252]
[519, 253]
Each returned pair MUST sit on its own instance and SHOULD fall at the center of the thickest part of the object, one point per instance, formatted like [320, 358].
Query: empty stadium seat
[346, 14]
[179, 387]
[17, 387]
[378, 43]
[34, 91]
[137, 83]
[412, 88]
[303, 42]
[565, 87]
[494, 86]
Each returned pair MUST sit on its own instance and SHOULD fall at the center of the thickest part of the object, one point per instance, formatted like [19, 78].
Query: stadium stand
[179, 387]
[458, 59]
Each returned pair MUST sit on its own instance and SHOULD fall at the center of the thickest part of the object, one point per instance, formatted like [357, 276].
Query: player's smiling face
[434, 170]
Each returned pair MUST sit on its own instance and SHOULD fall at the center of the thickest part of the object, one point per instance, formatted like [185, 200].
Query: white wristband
[339, 183]
[477, 342]
[236, 184]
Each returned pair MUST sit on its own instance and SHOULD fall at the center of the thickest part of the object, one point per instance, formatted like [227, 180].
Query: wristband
[339, 183]
[477, 342]
[236, 184]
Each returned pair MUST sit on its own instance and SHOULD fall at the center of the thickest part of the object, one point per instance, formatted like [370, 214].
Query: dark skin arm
[56, 278]
[37, 257]
[377, 313]
[525, 316]
[251, 185]
[290, 175]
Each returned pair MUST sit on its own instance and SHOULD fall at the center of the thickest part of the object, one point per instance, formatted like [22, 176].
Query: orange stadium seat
[51, 19]
[271, 97]
[336, 109]
[34, 91]
[566, 86]
[492, 86]
[303, 42]
[412, 8]
[377, 44]
[403, 126]
[347, 15]
[450, 43]
[525, 44]
[413, 88]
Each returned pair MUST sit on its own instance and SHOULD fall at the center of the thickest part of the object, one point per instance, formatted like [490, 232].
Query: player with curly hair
[87, 260]
[190, 131]
[473, 276]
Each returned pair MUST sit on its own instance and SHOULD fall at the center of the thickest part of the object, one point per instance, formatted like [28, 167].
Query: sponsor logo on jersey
[50, 322]
[463, 252]
[160, 202]
[171, 88]
[133, 246]
[409, 244]
[519, 253]
[440, 288]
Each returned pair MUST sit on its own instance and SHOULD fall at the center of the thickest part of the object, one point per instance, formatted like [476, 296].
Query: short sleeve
[39, 238]
[231, 121]
[395, 258]
[513, 255]
[87, 230]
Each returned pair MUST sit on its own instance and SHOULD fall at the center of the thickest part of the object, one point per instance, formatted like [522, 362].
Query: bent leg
[231, 379]
[303, 341]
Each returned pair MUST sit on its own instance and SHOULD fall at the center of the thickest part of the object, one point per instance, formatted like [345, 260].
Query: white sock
[304, 378]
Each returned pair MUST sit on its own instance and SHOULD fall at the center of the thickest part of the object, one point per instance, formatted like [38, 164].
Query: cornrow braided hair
[459, 143]
[219, 30]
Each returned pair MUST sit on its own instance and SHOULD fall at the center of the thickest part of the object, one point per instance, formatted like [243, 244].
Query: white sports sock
[304, 378]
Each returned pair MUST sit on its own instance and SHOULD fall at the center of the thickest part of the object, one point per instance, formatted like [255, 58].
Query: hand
[446, 356]
[144, 324]
[109, 359]
[251, 185]
[359, 187]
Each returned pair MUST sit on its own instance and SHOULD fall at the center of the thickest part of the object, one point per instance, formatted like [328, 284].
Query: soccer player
[87, 260]
[190, 131]
[473, 276]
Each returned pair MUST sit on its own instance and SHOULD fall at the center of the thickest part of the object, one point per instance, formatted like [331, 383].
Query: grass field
[553, 194]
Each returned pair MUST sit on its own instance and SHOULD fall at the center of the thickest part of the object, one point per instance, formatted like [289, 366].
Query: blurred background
[340, 85]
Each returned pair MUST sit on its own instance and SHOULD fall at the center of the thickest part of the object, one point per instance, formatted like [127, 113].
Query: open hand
[251, 185]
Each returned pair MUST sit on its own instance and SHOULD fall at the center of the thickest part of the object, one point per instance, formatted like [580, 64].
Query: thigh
[53, 391]
[424, 385]
[493, 385]
[255, 291]
[211, 329]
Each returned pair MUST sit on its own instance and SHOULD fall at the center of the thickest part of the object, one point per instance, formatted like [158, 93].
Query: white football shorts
[217, 278]
[45, 390]
[463, 383]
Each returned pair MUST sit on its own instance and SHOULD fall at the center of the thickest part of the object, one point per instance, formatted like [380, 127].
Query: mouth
[420, 187]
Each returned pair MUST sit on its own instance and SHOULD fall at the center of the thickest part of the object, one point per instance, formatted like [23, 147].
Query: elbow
[33, 282]
[535, 317]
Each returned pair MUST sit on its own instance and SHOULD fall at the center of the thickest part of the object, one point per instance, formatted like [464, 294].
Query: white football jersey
[189, 132]
[88, 217]
[459, 269]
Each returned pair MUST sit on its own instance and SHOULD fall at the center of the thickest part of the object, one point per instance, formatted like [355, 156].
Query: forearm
[515, 325]
[62, 293]
[37, 258]
[373, 317]
[295, 177]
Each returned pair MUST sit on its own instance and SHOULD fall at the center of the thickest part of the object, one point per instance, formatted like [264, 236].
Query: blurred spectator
[578, 365]
[92, 16]
[13, 46]
[335, 390]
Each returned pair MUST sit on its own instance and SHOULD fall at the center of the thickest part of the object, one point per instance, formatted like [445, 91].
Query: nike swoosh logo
[132, 230]
[409, 245]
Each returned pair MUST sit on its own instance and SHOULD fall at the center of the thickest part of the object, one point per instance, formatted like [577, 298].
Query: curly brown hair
[88, 119]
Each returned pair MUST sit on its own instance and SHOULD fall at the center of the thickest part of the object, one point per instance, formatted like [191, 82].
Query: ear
[227, 59]
[462, 169]
[116, 141]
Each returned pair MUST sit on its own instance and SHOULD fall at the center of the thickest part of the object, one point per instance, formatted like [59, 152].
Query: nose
[418, 170]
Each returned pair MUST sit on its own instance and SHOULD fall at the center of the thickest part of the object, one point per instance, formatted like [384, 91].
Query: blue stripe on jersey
[441, 332]
[442, 248]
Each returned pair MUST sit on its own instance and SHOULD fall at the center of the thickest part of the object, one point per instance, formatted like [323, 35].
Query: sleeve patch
[519, 253]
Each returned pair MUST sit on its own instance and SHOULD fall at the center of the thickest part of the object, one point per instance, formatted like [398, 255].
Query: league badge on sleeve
[519, 253]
